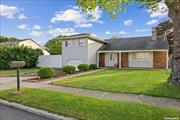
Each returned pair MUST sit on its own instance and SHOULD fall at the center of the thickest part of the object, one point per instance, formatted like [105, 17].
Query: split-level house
[137, 52]
[27, 43]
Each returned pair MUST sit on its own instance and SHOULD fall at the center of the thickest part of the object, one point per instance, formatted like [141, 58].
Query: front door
[111, 59]
[101, 60]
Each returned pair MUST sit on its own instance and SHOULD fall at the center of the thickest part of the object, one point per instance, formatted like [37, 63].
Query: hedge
[92, 66]
[83, 67]
[46, 72]
[69, 69]
[29, 55]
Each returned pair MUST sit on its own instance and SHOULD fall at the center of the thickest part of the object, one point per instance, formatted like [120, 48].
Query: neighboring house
[138, 52]
[25, 42]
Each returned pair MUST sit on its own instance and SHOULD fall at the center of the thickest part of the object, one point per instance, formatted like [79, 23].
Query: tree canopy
[54, 45]
[3, 39]
[115, 6]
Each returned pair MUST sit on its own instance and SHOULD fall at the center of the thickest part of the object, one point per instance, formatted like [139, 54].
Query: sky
[42, 20]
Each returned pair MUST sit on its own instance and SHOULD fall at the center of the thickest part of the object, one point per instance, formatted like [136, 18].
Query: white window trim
[81, 43]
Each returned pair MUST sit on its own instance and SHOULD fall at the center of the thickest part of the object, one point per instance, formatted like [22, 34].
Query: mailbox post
[17, 65]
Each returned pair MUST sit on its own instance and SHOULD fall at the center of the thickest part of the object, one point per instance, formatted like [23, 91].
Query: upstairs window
[81, 43]
[67, 43]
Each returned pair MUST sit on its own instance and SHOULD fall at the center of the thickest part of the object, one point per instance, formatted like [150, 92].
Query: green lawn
[88, 108]
[23, 72]
[150, 82]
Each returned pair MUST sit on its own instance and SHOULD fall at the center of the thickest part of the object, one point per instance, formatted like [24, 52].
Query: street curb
[34, 110]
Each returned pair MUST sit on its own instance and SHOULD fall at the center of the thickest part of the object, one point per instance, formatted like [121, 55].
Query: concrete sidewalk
[142, 99]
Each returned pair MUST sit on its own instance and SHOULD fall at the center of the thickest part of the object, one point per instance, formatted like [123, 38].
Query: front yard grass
[149, 82]
[23, 72]
[88, 108]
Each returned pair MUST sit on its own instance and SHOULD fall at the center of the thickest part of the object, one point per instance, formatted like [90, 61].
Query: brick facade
[159, 60]
[124, 60]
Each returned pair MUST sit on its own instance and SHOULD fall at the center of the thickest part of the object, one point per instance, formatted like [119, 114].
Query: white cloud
[8, 11]
[36, 27]
[122, 32]
[108, 33]
[152, 22]
[94, 35]
[22, 16]
[84, 25]
[160, 11]
[128, 22]
[70, 15]
[23, 27]
[61, 31]
[143, 30]
[74, 14]
[49, 26]
[36, 33]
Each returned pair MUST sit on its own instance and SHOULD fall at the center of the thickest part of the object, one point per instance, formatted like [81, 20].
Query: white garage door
[74, 62]
[141, 59]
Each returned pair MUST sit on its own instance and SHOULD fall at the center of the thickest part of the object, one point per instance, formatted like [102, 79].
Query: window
[67, 43]
[81, 43]
[141, 56]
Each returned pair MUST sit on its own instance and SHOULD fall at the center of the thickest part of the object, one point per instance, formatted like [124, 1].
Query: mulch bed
[59, 74]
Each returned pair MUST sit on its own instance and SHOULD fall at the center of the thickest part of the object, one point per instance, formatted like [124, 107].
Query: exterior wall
[124, 60]
[93, 46]
[54, 61]
[159, 60]
[31, 44]
[74, 52]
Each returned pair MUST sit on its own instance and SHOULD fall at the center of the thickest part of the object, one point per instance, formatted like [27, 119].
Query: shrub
[29, 55]
[92, 66]
[83, 67]
[46, 72]
[69, 69]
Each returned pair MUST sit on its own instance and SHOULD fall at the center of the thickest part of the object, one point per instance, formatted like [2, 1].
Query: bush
[83, 67]
[29, 55]
[46, 72]
[92, 66]
[69, 69]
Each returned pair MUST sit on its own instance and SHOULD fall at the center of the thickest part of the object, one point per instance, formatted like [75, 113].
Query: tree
[3, 39]
[54, 46]
[115, 6]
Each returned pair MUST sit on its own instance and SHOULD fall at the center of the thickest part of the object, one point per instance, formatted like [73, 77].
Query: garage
[141, 59]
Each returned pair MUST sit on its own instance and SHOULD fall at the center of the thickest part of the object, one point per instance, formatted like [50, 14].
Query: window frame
[82, 43]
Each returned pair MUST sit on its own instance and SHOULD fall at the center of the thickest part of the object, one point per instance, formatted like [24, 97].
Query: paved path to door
[10, 82]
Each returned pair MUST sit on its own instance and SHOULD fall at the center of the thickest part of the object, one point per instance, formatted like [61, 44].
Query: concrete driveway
[10, 82]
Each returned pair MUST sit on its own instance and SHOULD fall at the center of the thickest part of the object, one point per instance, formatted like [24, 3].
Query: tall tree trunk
[174, 14]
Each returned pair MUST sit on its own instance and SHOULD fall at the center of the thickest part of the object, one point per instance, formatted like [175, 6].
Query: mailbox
[17, 65]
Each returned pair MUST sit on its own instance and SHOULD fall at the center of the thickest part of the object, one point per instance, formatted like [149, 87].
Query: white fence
[54, 61]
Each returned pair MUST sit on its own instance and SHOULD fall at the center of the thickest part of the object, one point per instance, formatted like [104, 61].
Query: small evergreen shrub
[92, 66]
[69, 69]
[46, 72]
[83, 67]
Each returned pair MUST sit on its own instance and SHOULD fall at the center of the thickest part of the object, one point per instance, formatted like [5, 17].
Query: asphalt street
[11, 113]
